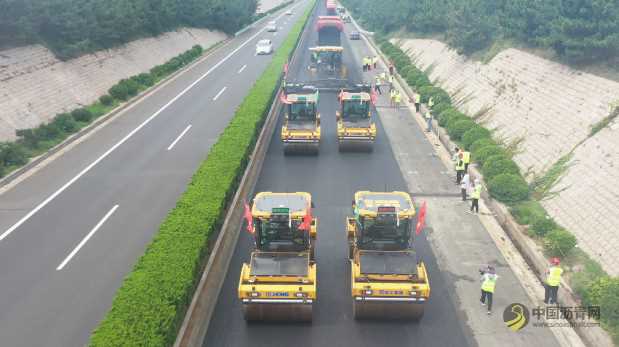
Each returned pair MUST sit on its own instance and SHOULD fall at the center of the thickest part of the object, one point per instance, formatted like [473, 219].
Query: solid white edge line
[124, 139]
[242, 68]
[179, 137]
[83, 242]
[219, 94]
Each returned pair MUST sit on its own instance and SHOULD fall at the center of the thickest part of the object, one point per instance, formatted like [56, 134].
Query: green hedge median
[151, 303]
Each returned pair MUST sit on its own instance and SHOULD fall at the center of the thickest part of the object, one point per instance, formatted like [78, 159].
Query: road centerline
[128, 136]
[219, 94]
[85, 239]
[179, 137]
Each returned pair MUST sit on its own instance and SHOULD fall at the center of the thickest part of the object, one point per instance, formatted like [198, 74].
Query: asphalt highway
[71, 232]
[332, 178]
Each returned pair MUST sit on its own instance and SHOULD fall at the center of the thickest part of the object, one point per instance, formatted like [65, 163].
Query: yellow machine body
[279, 282]
[387, 280]
[355, 127]
[301, 129]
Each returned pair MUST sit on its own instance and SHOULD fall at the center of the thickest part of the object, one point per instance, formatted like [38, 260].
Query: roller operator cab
[327, 59]
[301, 128]
[279, 282]
[355, 126]
[387, 279]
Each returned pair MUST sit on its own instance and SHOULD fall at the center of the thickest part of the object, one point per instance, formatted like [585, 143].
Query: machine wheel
[387, 311]
[277, 312]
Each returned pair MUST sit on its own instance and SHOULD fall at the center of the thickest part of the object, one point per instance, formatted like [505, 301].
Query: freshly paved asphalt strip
[60, 268]
[332, 178]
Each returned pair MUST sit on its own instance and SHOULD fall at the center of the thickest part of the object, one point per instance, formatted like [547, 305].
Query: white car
[264, 47]
[272, 26]
[289, 13]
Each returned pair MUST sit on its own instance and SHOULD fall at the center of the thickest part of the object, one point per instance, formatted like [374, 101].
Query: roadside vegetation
[150, 305]
[34, 142]
[73, 27]
[580, 32]
[507, 184]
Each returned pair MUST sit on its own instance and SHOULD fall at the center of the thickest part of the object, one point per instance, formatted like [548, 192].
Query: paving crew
[466, 157]
[391, 68]
[397, 98]
[369, 63]
[392, 97]
[417, 98]
[488, 283]
[375, 61]
[553, 280]
[365, 64]
[391, 80]
[459, 168]
[377, 83]
[475, 196]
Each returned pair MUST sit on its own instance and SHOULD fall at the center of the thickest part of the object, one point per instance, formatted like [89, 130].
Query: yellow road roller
[387, 279]
[301, 128]
[279, 282]
[355, 127]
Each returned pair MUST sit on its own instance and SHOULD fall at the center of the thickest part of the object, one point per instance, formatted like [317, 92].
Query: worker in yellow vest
[459, 168]
[431, 102]
[392, 97]
[466, 158]
[488, 283]
[417, 98]
[397, 99]
[375, 62]
[475, 196]
[365, 64]
[553, 280]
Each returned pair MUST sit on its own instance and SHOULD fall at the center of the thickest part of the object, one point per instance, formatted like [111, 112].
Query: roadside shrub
[499, 164]
[12, 153]
[81, 115]
[459, 128]
[66, 123]
[595, 290]
[47, 132]
[508, 188]
[131, 85]
[439, 96]
[609, 300]
[144, 79]
[486, 152]
[473, 134]
[446, 116]
[559, 242]
[527, 212]
[119, 91]
[2, 169]
[543, 225]
[28, 137]
[422, 81]
[440, 107]
[478, 144]
[106, 100]
[401, 60]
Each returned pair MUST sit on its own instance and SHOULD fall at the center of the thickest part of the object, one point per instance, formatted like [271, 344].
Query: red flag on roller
[248, 218]
[373, 97]
[286, 70]
[421, 219]
[307, 219]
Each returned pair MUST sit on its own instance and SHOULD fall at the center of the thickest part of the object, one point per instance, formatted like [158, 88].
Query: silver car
[264, 47]
[272, 26]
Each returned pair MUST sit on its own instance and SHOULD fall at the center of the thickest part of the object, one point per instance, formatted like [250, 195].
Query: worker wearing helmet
[488, 283]
[553, 280]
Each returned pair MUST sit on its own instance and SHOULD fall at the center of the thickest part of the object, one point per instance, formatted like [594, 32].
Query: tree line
[579, 31]
[73, 27]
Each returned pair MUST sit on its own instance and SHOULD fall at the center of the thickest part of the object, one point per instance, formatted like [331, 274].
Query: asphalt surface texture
[332, 178]
[109, 194]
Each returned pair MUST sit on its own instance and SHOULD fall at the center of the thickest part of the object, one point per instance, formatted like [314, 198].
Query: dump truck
[279, 282]
[388, 281]
[355, 126]
[301, 128]
[326, 56]
[331, 8]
